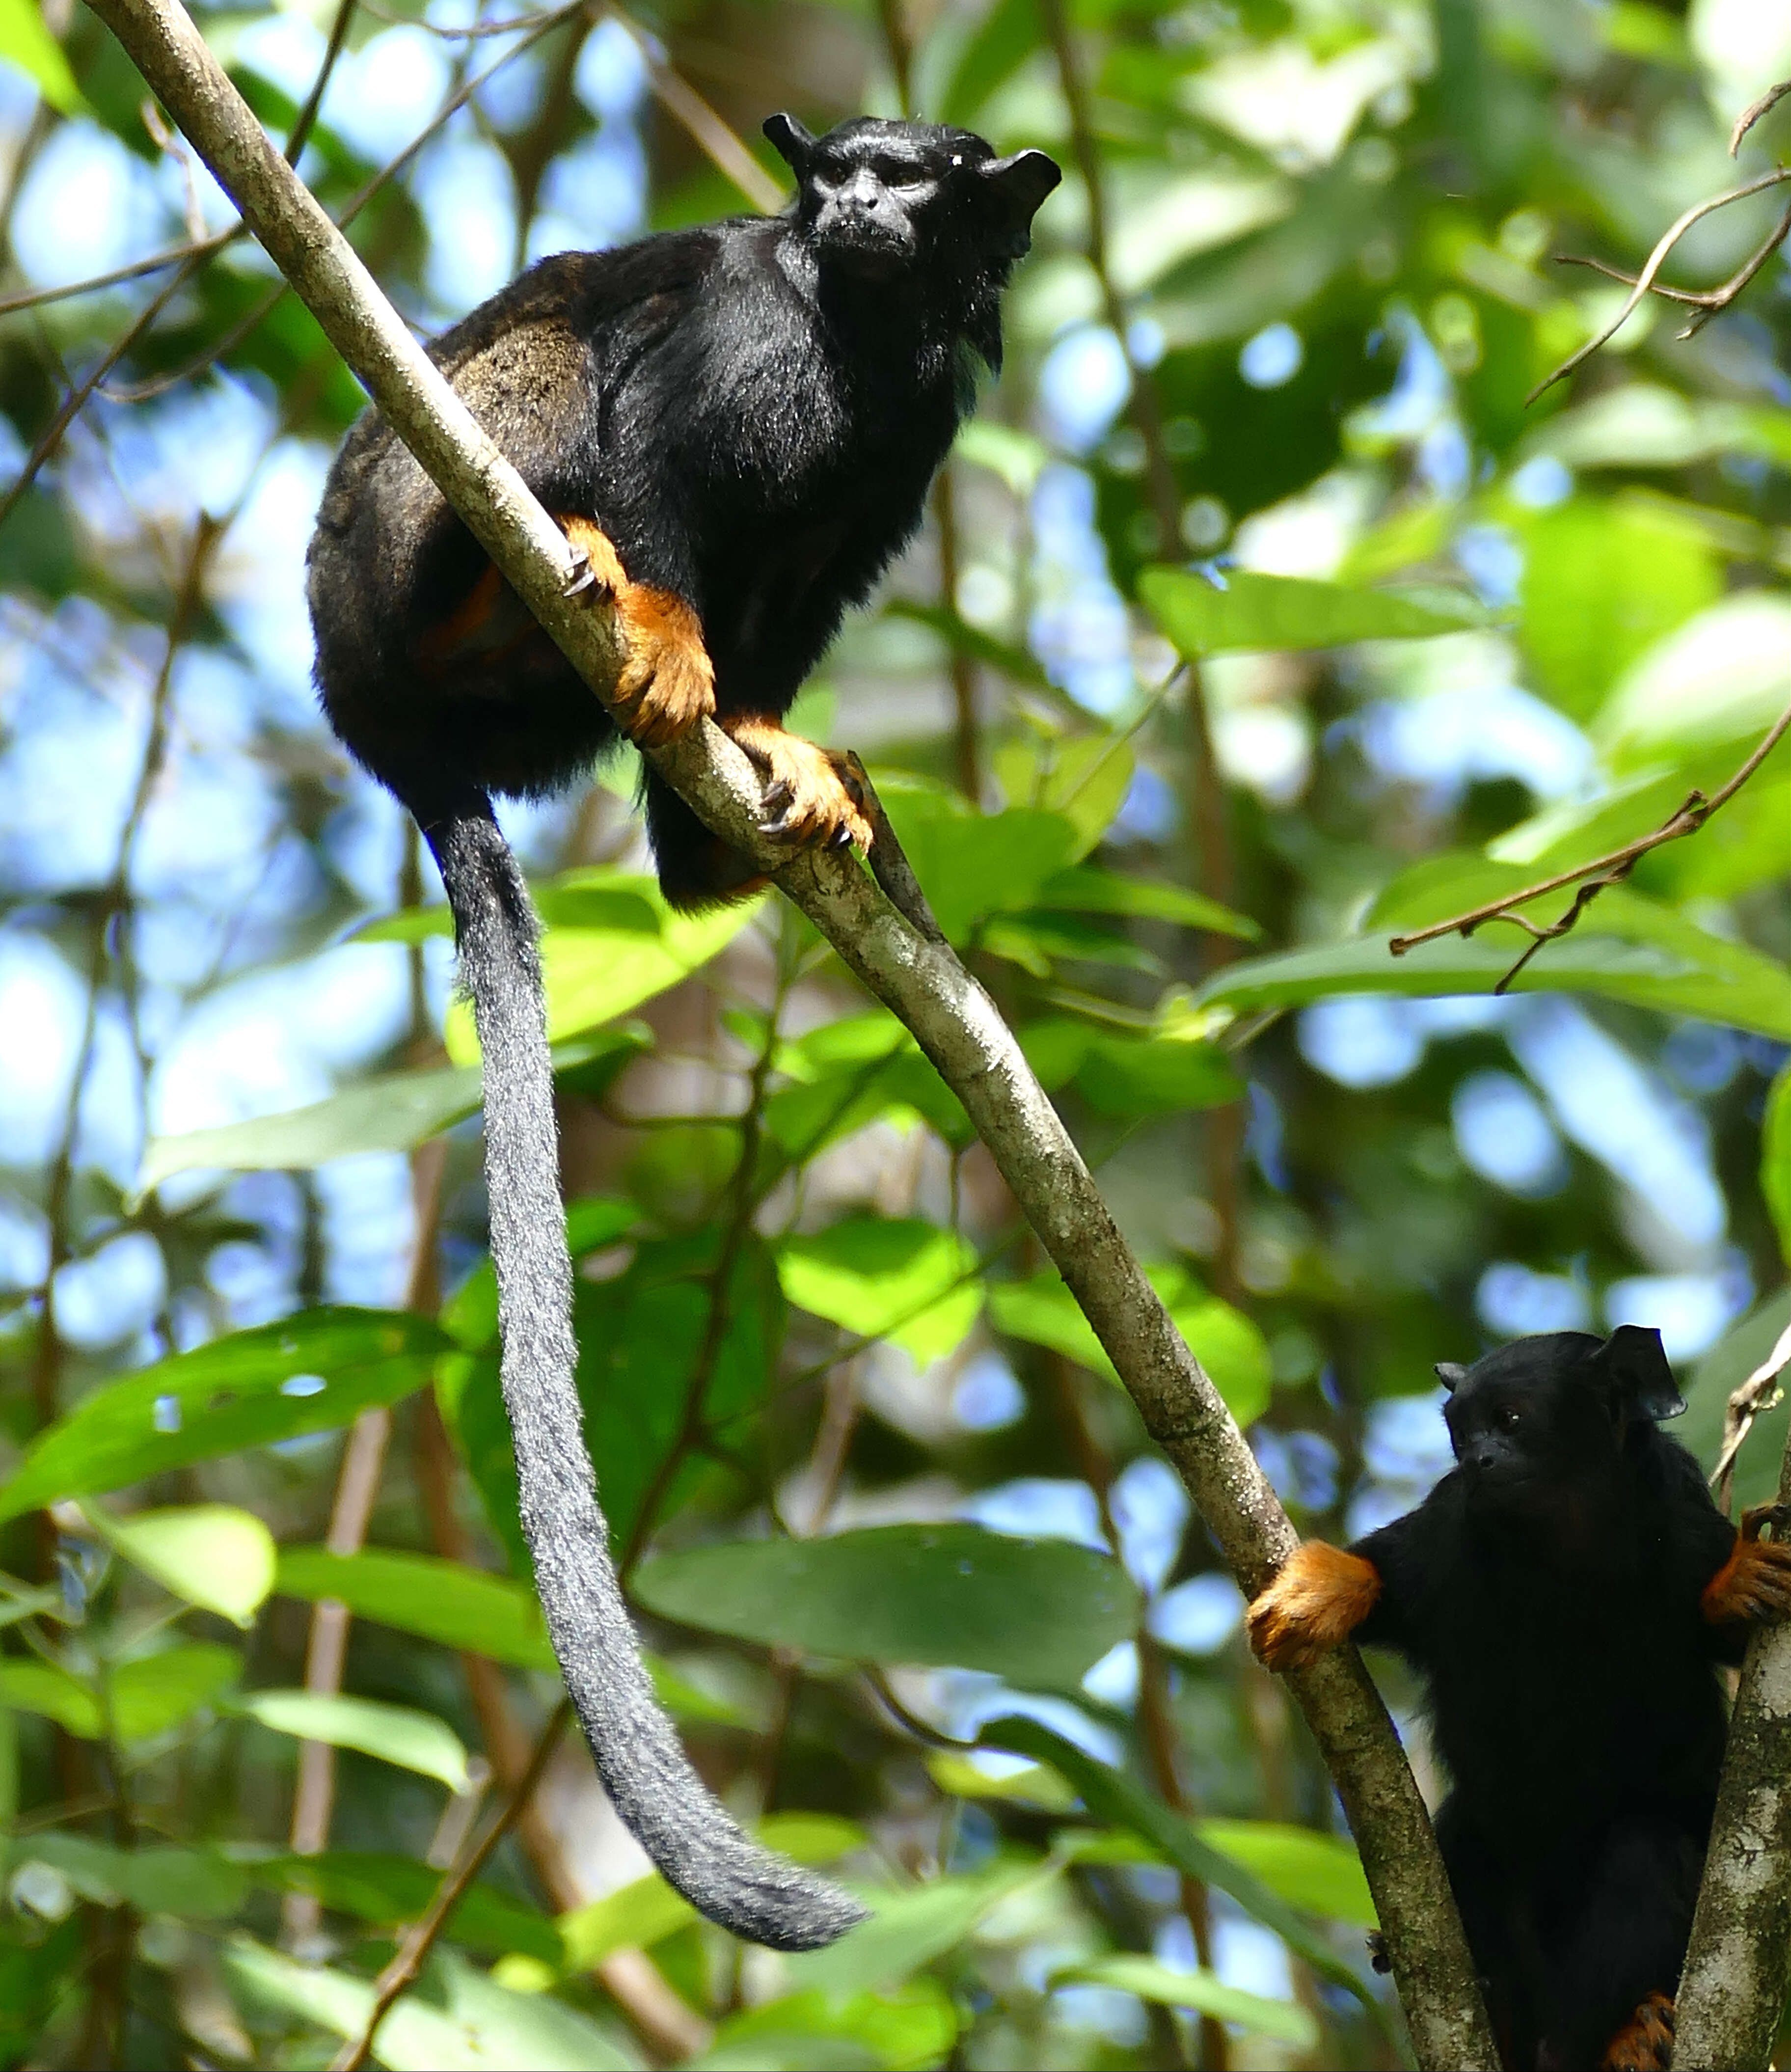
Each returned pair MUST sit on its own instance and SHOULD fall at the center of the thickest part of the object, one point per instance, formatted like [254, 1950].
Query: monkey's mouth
[863, 245]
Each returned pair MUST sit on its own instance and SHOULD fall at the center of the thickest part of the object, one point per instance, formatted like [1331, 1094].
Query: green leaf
[959, 1776]
[1203, 1992]
[1601, 582]
[27, 44]
[1085, 777]
[1253, 613]
[1037, 1612]
[148, 1695]
[1628, 948]
[310, 1373]
[394, 1112]
[1322, 1874]
[906, 1930]
[973, 865]
[1721, 677]
[854, 1071]
[1085, 888]
[389, 1891]
[447, 1601]
[903, 1279]
[635, 1917]
[996, 49]
[1042, 1311]
[192, 1882]
[1124, 1076]
[611, 943]
[471, 1397]
[34, 1973]
[212, 1555]
[1775, 1160]
[1115, 1798]
[909, 2028]
[469, 2024]
[397, 1734]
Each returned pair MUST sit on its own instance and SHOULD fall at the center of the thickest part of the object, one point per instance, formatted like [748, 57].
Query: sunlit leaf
[1113, 1796]
[1719, 677]
[611, 943]
[30, 1686]
[973, 864]
[447, 1601]
[212, 1555]
[397, 1734]
[143, 1698]
[1085, 777]
[1203, 1993]
[314, 1372]
[1227, 1343]
[1246, 612]
[905, 1931]
[1085, 888]
[1322, 1874]
[906, 1280]
[468, 2024]
[909, 2028]
[1037, 1612]
[26, 43]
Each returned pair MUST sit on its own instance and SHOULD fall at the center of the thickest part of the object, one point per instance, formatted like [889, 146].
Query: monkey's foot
[814, 793]
[1319, 1598]
[667, 683]
[1645, 2042]
[1754, 1584]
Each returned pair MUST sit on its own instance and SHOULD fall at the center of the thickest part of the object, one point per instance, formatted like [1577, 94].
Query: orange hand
[1645, 2042]
[1319, 1597]
[1754, 1584]
[668, 682]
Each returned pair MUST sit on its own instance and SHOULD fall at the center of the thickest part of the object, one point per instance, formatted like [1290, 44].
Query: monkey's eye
[1510, 1419]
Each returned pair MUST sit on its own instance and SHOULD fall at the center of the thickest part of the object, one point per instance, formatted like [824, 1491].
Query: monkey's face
[881, 199]
[1550, 1414]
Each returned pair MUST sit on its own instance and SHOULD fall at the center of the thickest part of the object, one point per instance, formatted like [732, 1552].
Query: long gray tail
[757, 1895]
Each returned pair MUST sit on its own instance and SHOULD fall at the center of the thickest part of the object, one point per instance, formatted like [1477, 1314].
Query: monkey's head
[1545, 1413]
[882, 200]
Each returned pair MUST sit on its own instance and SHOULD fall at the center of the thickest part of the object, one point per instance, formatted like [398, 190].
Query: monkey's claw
[1319, 1597]
[812, 796]
[1645, 2042]
[583, 577]
[1753, 1586]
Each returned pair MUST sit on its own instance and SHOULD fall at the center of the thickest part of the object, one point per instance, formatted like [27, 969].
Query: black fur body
[1550, 1592]
[740, 423]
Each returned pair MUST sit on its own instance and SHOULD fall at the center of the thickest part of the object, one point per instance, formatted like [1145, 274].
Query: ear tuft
[1452, 1374]
[1637, 1363]
[790, 141]
[1023, 181]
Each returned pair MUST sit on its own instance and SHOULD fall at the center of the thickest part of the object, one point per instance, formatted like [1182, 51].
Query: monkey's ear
[791, 142]
[1452, 1374]
[1636, 1362]
[1022, 181]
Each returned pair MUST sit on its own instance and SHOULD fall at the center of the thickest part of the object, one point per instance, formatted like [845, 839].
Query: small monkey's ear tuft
[1452, 1374]
[1635, 1362]
[1023, 181]
[792, 143]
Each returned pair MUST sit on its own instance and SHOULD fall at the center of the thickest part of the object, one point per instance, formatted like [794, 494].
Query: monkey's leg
[1754, 1584]
[667, 681]
[814, 791]
[1318, 1598]
[1645, 2042]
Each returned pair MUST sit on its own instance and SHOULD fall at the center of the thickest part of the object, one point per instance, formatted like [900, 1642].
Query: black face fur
[1553, 1410]
[878, 198]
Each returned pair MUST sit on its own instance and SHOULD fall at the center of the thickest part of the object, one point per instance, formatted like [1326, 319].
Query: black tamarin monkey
[1565, 1591]
[736, 426]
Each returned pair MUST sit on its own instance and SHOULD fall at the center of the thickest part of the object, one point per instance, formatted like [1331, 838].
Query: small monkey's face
[881, 198]
[1546, 1412]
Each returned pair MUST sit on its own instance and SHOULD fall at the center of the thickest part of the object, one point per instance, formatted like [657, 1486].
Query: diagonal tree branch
[920, 980]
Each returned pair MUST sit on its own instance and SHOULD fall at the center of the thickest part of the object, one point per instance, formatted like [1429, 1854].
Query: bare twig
[1757, 112]
[922, 983]
[707, 130]
[1717, 298]
[1597, 876]
[1758, 1394]
[420, 1940]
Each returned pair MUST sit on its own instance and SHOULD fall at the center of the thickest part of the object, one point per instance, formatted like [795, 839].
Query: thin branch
[1759, 1393]
[402, 1972]
[1600, 874]
[1755, 113]
[1657, 258]
[1707, 302]
[922, 983]
[707, 130]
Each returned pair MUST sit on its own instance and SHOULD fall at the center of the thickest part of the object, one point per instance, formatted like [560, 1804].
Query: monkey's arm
[1324, 1595]
[1753, 1585]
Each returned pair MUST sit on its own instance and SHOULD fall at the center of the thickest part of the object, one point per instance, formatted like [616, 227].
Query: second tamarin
[1566, 1591]
[736, 426]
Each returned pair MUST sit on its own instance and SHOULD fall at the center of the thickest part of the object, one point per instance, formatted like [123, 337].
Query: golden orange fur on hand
[1319, 1597]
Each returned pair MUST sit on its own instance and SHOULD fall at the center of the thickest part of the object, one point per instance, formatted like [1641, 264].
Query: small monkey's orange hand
[1318, 1598]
